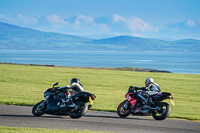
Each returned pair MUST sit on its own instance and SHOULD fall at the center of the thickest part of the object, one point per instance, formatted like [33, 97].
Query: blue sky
[162, 19]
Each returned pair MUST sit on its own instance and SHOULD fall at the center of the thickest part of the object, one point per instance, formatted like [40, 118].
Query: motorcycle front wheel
[162, 112]
[82, 108]
[123, 111]
[39, 109]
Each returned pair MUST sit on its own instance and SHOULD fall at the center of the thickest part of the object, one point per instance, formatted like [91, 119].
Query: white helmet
[148, 80]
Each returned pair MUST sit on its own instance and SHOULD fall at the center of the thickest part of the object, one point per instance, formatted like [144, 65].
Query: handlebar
[134, 89]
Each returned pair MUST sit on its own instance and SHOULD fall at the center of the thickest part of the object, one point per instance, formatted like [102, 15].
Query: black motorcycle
[54, 99]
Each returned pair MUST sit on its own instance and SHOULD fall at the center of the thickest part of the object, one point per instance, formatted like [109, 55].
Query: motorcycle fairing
[52, 106]
[131, 99]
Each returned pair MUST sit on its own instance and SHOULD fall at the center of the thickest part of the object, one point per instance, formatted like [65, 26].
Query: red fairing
[130, 99]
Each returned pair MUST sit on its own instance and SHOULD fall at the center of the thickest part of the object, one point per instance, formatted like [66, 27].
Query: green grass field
[25, 85]
[42, 130]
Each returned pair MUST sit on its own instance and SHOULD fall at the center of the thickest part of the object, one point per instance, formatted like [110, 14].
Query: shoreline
[106, 68]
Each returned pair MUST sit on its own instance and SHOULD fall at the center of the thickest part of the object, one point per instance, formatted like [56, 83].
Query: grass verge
[4, 129]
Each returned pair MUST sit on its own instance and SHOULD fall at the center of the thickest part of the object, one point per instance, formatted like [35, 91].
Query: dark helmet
[74, 80]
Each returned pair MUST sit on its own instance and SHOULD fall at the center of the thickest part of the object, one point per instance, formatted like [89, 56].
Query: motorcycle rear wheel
[163, 112]
[83, 107]
[39, 109]
[122, 111]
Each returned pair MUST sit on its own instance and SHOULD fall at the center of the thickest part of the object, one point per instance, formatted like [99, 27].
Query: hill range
[13, 37]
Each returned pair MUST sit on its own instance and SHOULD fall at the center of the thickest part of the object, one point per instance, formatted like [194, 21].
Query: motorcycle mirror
[55, 84]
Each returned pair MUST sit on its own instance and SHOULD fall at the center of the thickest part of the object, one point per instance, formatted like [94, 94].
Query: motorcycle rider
[76, 86]
[150, 88]
[150, 84]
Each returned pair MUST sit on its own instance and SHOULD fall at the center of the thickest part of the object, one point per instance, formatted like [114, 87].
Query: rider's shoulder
[153, 84]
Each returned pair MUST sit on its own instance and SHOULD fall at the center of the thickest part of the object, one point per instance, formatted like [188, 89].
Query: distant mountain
[19, 38]
[131, 43]
[148, 44]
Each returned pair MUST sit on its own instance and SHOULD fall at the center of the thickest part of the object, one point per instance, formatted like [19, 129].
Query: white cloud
[77, 23]
[117, 18]
[19, 19]
[55, 19]
[27, 19]
[137, 24]
[103, 27]
[84, 20]
[2, 17]
[190, 23]
[134, 23]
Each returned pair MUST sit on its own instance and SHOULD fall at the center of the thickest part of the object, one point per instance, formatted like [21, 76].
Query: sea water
[176, 62]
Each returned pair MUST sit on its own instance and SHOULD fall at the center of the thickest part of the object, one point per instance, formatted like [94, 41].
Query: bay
[176, 62]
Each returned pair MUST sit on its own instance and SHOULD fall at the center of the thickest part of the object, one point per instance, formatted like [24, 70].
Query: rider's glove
[137, 88]
[131, 88]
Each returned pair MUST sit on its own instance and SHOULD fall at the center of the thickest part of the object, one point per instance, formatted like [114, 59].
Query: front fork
[126, 105]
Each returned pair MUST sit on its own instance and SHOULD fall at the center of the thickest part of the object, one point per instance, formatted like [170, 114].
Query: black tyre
[163, 111]
[82, 109]
[39, 109]
[122, 111]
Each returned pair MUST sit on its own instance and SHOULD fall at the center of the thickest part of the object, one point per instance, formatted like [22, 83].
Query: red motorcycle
[137, 103]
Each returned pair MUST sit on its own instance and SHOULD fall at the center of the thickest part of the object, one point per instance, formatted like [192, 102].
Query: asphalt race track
[21, 116]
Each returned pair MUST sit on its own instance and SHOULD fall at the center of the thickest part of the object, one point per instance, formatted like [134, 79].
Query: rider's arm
[154, 87]
[77, 86]
[148, 86]
[143, 88]
[64, 87]
[137, 88]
